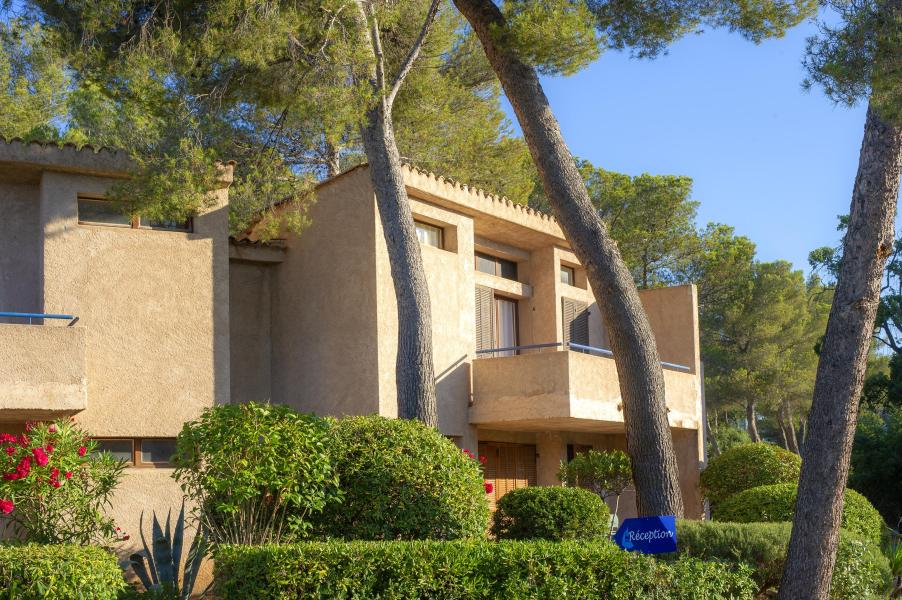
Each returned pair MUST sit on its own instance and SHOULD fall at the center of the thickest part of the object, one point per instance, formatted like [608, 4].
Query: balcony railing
[492, 352]
[32, 316]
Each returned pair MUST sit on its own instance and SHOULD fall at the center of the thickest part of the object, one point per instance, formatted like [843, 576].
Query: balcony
[567, 390]
[42, 369]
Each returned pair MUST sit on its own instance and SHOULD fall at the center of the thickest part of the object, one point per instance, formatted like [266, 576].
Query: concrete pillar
[551, 450]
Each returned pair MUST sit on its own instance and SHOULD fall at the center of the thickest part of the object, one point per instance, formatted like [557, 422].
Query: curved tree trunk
[789, 428]
[751, 420]
[840, 371]
[648, 436]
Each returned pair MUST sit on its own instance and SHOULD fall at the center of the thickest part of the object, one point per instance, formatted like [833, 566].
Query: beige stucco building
[164, 319]
[523, 374]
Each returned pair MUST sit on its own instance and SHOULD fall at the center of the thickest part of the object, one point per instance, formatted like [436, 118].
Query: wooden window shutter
[575, 321]
[485, 316]
[508, 467]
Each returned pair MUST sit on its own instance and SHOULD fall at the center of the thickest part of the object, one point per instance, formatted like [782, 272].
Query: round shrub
[257, 472]
[748, 466]
[551, 513]
[771, 503]
[402, 480]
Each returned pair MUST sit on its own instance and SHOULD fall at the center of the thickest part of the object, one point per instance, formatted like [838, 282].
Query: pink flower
[7, 438]
[489, 488]
[55, 483]
[125, 537]
[68, 474]
[6, 506]
[29, 425]
[49, 448]
[82, 450]
[23, 468]
[483, 459]
[24, 441]
[40, 456]
[10, 450]
[11, 476]
[52, 429]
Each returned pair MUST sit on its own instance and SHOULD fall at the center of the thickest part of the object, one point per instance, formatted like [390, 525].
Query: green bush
[402, 480]
[551, 513]
[467, 570]
[774, 503]
[58, 572]
[747, 466]
[861, 569]
[256, 472]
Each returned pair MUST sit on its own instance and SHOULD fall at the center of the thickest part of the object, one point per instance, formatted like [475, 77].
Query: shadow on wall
[452, 390]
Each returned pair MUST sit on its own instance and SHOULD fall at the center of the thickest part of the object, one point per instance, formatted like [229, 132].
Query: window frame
[498, 262]
[136, 461]
[135, 222]
[571, 271]
[417, 223]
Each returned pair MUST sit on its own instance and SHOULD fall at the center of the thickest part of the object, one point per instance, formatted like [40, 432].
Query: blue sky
[766, 157]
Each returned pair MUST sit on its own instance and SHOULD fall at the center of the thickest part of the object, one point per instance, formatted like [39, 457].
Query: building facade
[159, 320]
[523, 374]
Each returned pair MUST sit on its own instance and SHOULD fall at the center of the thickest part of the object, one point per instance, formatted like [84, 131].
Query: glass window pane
[485, 263]
[121, 449]
[101, 211]
[506, 324]
[172, 225]
[508, 269]
[568, 275]
[157, 451]
[429, 235]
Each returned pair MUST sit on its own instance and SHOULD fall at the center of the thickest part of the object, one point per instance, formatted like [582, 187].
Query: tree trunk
[840, 371]
[789, 428]
[333, 160]
[782, 427]
[414, 370]
[751, 420]
[715, 447]
[648, 436]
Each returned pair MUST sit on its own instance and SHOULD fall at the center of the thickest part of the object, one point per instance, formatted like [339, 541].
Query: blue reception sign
[648, 535]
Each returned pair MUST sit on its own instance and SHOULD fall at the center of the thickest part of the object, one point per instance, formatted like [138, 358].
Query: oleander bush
[748, 466]
[551, 513]
[256, 472]
[775, 503]
[468, 570]
[402, 480]
[861, 572]
[58, 572]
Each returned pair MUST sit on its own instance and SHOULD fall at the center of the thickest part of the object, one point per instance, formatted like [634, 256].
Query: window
[568, 275]
[496, 266]
[140, 452]
[102, 212]
[429, 235]
[97, 211]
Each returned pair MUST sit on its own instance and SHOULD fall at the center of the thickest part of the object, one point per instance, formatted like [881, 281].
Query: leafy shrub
[468, 570]
[877, 459]
[550, 513]
[256, 472]
[58, 572]
[861, 570]
[728, 437]
[747, 466]
[403, 480]
[53, 489]
[773, 503]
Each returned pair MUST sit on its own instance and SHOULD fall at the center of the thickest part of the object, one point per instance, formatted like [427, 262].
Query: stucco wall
[324, 305]
[250, 323]
[154, 305]
[42, 371]
[20, 249]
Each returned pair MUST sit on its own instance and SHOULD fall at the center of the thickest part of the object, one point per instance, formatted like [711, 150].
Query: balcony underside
[567, 391]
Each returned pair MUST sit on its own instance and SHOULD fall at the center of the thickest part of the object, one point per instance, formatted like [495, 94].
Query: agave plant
[157, 566]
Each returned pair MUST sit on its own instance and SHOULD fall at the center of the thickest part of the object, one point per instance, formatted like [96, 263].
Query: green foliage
[774, 503]
[728, 437]
[550, 513]
[605, 473]
[157, 565]
[877, 460]
[573, 42]
[53, 490]
[748, 466]
[402, 480]
[59, 572]
[256, 472]
[467, 570]
[861, 570]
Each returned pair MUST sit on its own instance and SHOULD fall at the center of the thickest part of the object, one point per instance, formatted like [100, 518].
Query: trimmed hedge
[551, 513]
[58, 572]
[862, 571]
[775, 503]
[402, 480]
[467, 570]
[748, 466]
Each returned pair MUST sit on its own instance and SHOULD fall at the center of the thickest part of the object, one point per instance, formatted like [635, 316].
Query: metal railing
[32, 316]
[575, 347]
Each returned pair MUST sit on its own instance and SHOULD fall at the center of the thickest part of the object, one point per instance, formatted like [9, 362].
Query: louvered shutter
[485, 315]
[575, 321]
[508, 467]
